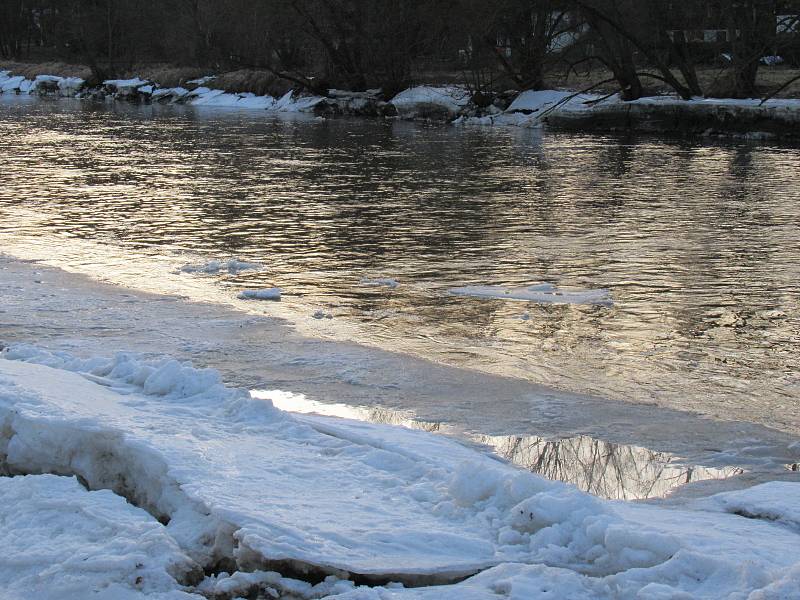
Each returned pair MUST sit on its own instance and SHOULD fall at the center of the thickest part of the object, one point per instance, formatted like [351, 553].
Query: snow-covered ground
[243, 486]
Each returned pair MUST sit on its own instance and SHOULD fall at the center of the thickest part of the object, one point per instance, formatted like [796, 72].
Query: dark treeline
[390, 44]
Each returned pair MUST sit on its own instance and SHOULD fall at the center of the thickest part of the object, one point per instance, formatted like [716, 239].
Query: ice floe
[380, 281]
[231, 266]
[543, 293]
[265, 294]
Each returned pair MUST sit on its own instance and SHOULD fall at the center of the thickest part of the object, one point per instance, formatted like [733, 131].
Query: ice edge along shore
[238, 497]
[565, 110]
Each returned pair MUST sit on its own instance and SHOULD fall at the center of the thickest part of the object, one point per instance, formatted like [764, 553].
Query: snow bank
[243, 484]
[42, 84]
[265, 294]
[232, 266]
[427, 101]
[537, 101]
[543, 293]
[61, 542]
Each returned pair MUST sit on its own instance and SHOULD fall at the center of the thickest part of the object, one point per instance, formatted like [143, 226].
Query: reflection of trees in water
[595, 466]
[601, 468]
[386, 416]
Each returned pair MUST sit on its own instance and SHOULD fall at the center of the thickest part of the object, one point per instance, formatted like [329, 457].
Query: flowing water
[697, 242]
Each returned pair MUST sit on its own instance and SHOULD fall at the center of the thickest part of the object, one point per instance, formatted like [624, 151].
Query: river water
[697, 242]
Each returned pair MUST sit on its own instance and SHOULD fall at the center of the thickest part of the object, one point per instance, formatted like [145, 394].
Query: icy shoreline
[566, 110]
[242, 486]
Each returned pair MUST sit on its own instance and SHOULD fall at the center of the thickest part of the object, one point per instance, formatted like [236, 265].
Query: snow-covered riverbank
[232, 484]
[776, 118]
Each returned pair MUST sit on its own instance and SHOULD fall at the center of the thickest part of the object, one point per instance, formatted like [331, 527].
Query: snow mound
[425, 101]
[62, 542]
[265, 294]
[232, 266]
[543, 293]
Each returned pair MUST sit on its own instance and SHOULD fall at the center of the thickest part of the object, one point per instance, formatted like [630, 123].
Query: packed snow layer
[537, 101]
[62, 542]
[239, 481]
[543, 293]
[428, 101]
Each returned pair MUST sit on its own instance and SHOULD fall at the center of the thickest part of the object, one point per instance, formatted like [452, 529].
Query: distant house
[707, 22]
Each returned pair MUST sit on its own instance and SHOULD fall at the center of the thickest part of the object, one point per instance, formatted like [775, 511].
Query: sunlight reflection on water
[698, 243]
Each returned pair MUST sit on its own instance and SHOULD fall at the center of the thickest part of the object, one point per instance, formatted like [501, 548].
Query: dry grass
[31, 70]
[252, 80]
[712, 81]
[165, 75]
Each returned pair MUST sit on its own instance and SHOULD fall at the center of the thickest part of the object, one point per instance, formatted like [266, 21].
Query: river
[697, 242]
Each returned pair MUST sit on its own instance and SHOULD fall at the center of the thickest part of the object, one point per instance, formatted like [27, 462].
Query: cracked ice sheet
[370, 499]
[291, 492]
[61, 542]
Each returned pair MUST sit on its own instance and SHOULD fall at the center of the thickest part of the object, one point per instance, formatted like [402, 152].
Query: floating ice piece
[232, 266]
[380, 281]
[61, 542]
[265, 294]
[543, 293]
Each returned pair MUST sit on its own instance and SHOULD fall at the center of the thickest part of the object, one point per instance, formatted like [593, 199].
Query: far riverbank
[558, 109]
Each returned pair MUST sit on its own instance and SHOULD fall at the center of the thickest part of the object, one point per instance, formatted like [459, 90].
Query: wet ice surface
[70, 312]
